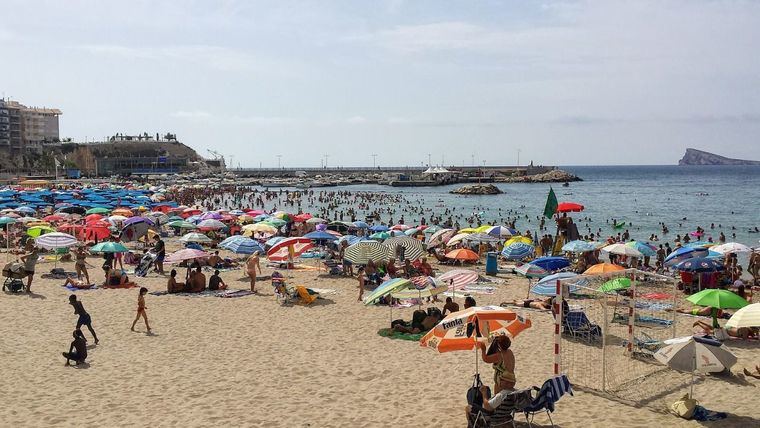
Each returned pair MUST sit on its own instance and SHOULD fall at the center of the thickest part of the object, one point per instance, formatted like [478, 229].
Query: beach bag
[684, 407]
[15, 286]
[474, 395]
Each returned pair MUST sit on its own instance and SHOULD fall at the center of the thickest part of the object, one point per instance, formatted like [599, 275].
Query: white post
[557, 326]
[631, 313]
[604, 346]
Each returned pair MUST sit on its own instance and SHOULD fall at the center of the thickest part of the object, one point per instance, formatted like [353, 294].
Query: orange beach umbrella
[460, 331]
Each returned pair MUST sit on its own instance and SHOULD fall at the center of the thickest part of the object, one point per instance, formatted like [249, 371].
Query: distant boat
[565, 184]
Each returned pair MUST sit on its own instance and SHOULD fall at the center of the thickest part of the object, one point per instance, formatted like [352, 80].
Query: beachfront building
[23, 127]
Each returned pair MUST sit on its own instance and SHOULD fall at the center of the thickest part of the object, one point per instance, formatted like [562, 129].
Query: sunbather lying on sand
[421, 321]
[76, 283]
[741, 332]
[703, 312]
[545, 304]
[754, 375]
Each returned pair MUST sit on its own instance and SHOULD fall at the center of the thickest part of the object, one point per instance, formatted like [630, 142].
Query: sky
[455, 82]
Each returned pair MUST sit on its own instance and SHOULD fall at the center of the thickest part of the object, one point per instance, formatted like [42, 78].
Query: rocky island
[477, 189]
[699, 157]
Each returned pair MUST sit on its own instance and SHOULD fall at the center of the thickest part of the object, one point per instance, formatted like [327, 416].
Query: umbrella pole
[691, 389]
[476, 358]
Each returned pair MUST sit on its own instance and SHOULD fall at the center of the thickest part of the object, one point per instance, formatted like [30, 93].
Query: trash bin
[492, 267]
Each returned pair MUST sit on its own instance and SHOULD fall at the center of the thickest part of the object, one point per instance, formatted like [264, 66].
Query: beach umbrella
[717, 299]
[98, 210]
[195, 237]
[419, 294]
[692, 354]
[26, 220]
[460, 331]
[301, 218]
[530, 270]
[479, 237]
[411, 232]
[55, 240]
[705, 244]
[109, 247]
[134, 231]
[91, 232]
[117, 218]
[432, 229]
[241, 245]
[463, 254]
[124, 212]
[699, 264]
[412, 248]
[499, 231]
[458, 278]
[731, 247]
[615, 284]
[400, 227]
[518, 238]
[603, 268]
[288, 249]
[316, 220]
[7, 220]
[26, 210]
[748, 316]
[211, 224]
[186, 254]
[684, 253]
[551, 263]
[379, 228]
[387, 288]
[361, 225]
[622, 250]
[53, 218]
[276, 222]
[36, 231]
[380, 236]
[138, 220]
[578, 246]
[258, 227]
[568, 207]
[92, 217]
[211, 215]
[646, 250]
[547, 286]
[362, 252]
[517, 251]
[456, 239]
[350, 239]
[181, 224]
[442, 236]
[320, 236]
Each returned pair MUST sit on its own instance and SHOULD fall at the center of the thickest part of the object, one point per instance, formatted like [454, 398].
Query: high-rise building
[22, 126]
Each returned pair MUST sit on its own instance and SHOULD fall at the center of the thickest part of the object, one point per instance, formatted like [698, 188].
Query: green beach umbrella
[615, 285]
[97, 210]
[109, 247]
[182, 224]
[274, 221]
[717, 299]
[380, 236]
[7, 220]
[37, 231]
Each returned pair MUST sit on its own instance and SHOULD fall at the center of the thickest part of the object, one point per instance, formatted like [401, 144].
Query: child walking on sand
[141, 309]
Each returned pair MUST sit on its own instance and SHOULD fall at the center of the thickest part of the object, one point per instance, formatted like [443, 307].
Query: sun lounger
[504, 414]
[578, 325]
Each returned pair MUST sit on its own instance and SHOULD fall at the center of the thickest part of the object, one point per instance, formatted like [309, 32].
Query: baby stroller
[14, 272]
[145, 263]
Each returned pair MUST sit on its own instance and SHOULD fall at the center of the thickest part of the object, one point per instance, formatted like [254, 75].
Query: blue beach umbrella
[699, 264]
[361, 225]
[517, 251]
[684, 253]
[379, 228]
[578, 246]
[320, 236]
[241, 245]
[551, 263]
[645, 249]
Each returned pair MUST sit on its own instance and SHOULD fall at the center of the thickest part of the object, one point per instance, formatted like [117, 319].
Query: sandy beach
[250, 362]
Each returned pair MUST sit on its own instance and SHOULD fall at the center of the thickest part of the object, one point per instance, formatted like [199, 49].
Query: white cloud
[216, 57]
[357, 120]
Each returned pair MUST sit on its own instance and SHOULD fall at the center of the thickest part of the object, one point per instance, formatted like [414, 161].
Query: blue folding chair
[577, 324]
[549, 393]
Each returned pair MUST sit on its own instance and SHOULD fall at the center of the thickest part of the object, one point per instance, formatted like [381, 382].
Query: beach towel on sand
[127, 285]
[393, 334]
[72, 288]
[206, 293]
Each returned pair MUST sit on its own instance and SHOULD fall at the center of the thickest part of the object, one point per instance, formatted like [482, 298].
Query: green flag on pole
[551, 204]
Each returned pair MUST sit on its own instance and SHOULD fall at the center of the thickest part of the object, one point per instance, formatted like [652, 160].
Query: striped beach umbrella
[458, 278]
[241, 245]
[529, 270]
[186, 254]
[386, 288]
[748, 316]
[211, 224]
[55, 240]
[578, 246]
[195, 237]
[439, 237]
[517, 251]
[412, 248]
[647, 250]
[684, 253]
[460, 331]
[288, 249]
[362, 252]
[547, 286]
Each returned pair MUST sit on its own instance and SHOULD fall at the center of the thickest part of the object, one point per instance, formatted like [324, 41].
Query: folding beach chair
[578, 325]
[549, 393]
[504, 414]
[644, 345]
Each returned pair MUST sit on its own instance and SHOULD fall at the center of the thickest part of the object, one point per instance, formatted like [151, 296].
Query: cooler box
[492, 267]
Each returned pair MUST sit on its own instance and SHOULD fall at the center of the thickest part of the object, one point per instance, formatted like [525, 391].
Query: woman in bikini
[503, 360]
[80, 265]
[531, 303]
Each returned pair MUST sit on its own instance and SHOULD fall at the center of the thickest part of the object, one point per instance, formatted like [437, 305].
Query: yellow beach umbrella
[520, 239]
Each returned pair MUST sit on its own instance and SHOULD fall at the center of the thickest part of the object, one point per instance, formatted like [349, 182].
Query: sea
[716, 198]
